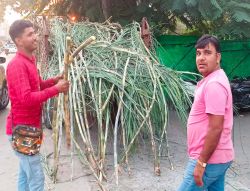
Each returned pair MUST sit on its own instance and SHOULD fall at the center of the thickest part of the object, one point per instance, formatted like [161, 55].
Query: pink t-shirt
[212, 95]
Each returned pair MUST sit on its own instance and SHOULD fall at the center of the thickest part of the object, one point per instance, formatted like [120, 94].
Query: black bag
[27, 139]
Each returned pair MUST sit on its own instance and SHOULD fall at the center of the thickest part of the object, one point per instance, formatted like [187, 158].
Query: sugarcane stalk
[98, 75]
[55, 127]
[113, 86]
[121, 92]
[68, 60]
[168, 153]
[66, 94]
[90, 148]
[153, 76]
[157, 170]
[72, 133]
[165, 125]
[87, 42]
[106, 132]
[56, 122]
[100, 127]
[124, 141]
[89, 151]
[92, 169]
[82, 128]
[55, 138]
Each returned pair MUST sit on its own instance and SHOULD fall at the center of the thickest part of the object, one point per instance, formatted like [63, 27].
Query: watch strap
[203, 164]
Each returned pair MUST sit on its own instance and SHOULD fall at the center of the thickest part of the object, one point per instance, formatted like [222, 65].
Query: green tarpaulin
[178, 52]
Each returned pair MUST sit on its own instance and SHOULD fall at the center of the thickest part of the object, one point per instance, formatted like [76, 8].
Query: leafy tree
[226, 18]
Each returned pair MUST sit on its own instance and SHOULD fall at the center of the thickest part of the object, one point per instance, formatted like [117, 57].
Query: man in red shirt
[27, 92]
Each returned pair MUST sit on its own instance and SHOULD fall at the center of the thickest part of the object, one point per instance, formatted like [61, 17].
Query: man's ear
[218, 58]
[18, 41]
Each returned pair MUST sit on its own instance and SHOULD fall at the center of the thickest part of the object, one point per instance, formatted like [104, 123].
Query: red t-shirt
[27, 92]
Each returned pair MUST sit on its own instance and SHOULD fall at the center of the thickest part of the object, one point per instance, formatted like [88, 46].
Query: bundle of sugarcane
[120, 84]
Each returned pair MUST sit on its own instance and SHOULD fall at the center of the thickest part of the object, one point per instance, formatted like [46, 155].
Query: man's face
[207, 59]
[27, 40]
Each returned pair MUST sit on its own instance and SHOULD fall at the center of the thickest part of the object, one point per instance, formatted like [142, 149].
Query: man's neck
[27, 53]
[204, 76]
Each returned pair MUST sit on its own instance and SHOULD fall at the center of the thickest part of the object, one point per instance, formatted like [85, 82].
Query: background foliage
[226, 18]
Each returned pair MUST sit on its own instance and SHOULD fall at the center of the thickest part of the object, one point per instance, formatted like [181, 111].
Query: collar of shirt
[208, 77]
[31, 59]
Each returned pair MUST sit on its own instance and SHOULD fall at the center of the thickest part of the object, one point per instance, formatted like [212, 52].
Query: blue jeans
[213, 178]
[31, 176]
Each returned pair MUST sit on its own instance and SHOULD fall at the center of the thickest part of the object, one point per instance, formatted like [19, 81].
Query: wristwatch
[203, 164]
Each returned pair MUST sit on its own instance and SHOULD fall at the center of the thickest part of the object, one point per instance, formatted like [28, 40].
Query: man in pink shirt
[210, 122]
[27, 92]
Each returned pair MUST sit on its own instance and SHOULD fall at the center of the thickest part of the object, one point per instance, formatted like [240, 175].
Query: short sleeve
[215, 98]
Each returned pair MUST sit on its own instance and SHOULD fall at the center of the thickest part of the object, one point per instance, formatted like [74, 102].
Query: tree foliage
[225, 18]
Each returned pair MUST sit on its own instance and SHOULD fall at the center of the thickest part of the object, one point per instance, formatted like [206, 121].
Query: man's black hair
[18, 27]
[206, 39]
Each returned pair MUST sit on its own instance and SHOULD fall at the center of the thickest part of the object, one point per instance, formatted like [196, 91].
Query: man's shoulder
[220, 78]
[16, 61]
[15, 67]
[218, 84]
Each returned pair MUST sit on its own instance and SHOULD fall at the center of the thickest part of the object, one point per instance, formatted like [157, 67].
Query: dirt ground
[142, 178]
